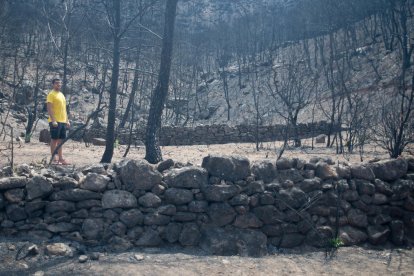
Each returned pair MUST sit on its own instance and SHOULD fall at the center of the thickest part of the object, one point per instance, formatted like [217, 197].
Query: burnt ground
[193, 261]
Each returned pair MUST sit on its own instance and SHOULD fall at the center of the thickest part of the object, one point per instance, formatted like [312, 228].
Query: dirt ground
[79, 155]
[175, 261]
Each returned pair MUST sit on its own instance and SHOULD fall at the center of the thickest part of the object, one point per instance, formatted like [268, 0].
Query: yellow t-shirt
[58, 101]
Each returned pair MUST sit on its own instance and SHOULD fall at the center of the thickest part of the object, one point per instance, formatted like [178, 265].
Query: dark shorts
[58, 132]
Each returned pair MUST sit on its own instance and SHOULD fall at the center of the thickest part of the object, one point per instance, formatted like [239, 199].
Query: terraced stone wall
[228, 206]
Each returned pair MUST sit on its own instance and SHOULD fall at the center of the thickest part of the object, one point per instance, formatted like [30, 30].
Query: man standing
[58, 119]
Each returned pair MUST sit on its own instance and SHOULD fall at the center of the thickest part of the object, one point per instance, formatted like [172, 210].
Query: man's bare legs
[53, 144]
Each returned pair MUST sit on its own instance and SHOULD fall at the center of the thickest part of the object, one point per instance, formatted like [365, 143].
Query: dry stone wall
[218, 134]
[227, 206]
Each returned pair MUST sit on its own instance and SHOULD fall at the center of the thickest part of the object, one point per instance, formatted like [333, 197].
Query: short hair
[55, 80]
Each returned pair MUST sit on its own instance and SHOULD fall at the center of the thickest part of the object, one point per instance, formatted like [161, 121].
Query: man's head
[57, 84]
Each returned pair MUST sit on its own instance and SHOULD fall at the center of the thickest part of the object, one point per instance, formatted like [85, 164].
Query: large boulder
[264, 170]
[95, 182]
[293, 197]
[231, 241]
[187, 177]
[138, 175]
[219, 193]
[362, 172]
[390, 170]
[232, 168]
[132, 218]
[325, 171]
[221, 214]
[352, 236]
[12, 183]
[178, 196]
[118, 199]
[38, 187]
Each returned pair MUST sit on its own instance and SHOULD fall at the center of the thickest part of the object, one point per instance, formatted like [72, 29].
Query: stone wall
[228, 206]
[219, 134]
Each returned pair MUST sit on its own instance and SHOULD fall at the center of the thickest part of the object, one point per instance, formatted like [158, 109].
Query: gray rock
[118, 199]
[409, 204]
[357, 218]
[187, 177]
[198, 206]
[66, 182]
[248, 220]
[292, 240]
[61, 227]
[320, 237]
[292, 174]
[14, 195]
[264, 170]
[94, 168]
[118, 244]
[156, 219]
[325, 171]
[149, 238]
[168, 210]
[15, 212]
[397, 232]
[184, 217]
[2, 201]
[138, 174]
[135, 232]
[343, 171]
[93, 228]
[221, 214]
[88, 204]
[351, 195]
[272, 230]
[165, 165]
[132, 218]
[379, 199]
[95, 182]
[402, 189]
[310, 185]
[59, 249]
[284, 164]
[242, 242]
[60, 205]
[12, 183]
[294, 197]
[390, 170]
[267, 199]
[365, 187]
[173, 231]
[83, 259]
[269, 214]
[75, 195]
[219, 193]
[149, 200]
[378, 234]
[32, 207]
[255, 187]
[190, 235]
[240, 199]
[352, 236]
[231, 168]
[38, 187]
[178, 196]
[362, 172]
[118, 228]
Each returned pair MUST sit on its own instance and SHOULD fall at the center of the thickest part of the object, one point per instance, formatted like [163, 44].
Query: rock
[390, 170]
[187, 177]
[178, 196]
[269, 214]
[2, 201]
[379, 199]
[310, 185]
[184, 216]
[88, 204]
[292, 174]
[320, 139]
[66, 183]
[135, 232]
[58, 249]
[83, 259]
[118, 228]
[118, 199]
[351, 195]
[139, 257]
[132, 218]
[190, 235]
[284, 164]
[138, 174]
[294, 197]
[221, 214]
[44, 136]
[219, 193]
[15, 212]
[267, 199]
[272, 230]
[168, 210]
[352, 236]
[61, 227]
[365, 187]
[95, 182]
[8, 183]
[98, 141]
[60, 205]
[231, 168]
[397, 232]
[94, 256]
[320, 237]
[198, 206]
[117, 244]
[14, 195]
[402, 189]
[357, 218]
[343, 172]
[32, 207]
[149, 200]
[409, 204]
[75, 195]
[248, 220]
[173, 231]
[27, 250]
[38, 187]
[240, 199]
[156, 219]
[292, 240]
[378, 234]
[242, 242]
[325, 171]
[94, 168]
[362, 172]
[255, 187]
[93, 228]
[149, 238]
[165, 165]
[264, 170]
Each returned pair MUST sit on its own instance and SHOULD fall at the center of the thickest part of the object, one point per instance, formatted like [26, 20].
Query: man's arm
[50, 112]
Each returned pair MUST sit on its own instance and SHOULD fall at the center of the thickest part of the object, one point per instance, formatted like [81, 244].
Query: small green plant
[116, 143]
[336, 242]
